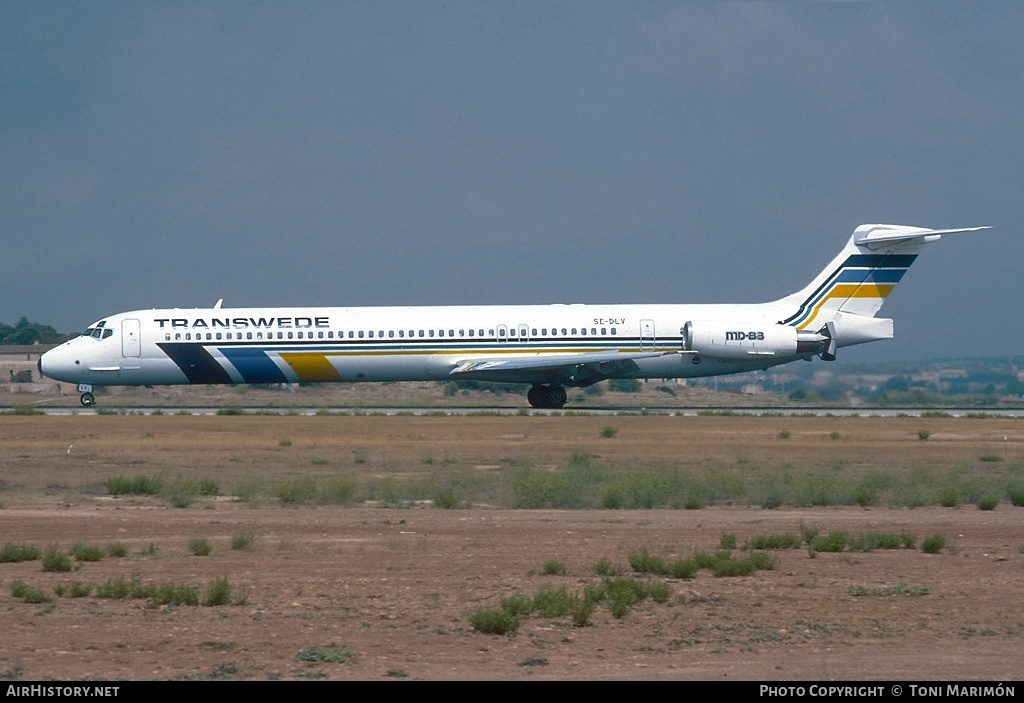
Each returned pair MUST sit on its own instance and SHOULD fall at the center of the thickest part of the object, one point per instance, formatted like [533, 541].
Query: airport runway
[456, 411]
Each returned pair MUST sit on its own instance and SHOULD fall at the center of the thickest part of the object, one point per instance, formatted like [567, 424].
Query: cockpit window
[97, 332]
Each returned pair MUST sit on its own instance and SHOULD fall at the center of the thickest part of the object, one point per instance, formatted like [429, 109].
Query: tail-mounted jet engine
[746, 340]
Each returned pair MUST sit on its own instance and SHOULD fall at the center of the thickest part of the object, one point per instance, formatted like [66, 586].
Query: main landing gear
[546, 396]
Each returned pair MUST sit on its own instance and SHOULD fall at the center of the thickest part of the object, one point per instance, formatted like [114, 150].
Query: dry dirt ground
[396, 585]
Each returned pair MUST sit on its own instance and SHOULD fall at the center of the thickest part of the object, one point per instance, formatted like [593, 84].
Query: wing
[569, 369]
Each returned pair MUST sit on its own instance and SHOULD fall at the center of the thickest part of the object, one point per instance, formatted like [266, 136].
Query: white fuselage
[294, 345]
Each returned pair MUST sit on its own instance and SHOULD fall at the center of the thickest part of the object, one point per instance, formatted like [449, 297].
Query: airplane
[550, 347]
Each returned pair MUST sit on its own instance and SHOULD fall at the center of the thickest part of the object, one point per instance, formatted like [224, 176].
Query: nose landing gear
[88, 399]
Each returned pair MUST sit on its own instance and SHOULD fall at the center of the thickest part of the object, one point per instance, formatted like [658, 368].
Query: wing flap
[586, 367]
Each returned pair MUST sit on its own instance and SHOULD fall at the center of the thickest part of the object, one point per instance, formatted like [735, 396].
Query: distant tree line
[26, 332]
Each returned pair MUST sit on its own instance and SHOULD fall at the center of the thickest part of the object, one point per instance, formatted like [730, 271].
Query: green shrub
[923, 434]
[12, 553]
[518, 606]
[54, 560]
[727, 541]
[988, 503]
[609, 432]
[553, 603]
[199, 546]
[832, 542]
[1016, 496]
[28, 594]
[83, 552]
[218, 592]
[494, 622]
[582, 609]
[554, 567]
[117, 549]
[140, 485]
[80, 590]
[948, 497]
[933, 544]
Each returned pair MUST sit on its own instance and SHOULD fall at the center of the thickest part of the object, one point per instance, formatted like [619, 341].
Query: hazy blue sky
[161, 154]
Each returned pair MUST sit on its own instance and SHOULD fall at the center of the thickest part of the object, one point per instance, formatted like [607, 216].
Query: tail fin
[860, 278]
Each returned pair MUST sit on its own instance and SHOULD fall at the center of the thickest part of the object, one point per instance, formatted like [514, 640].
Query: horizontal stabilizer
[871, 235]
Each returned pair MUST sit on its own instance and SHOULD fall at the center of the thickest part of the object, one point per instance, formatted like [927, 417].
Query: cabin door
[131, 343]
[647, 334]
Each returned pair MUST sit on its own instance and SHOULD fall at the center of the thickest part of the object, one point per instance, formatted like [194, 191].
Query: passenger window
[451, 333]
[614, 330]
[167, 337]
[471, 333]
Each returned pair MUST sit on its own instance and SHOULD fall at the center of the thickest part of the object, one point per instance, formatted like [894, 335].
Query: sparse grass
[774, 541]
[727, 541]
[605, 567]
[243, 540]
[218, 592]
[331, 654]
[882, 592]
[608, 431]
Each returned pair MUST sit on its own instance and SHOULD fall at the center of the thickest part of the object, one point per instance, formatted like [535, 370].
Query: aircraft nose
[58, 363]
